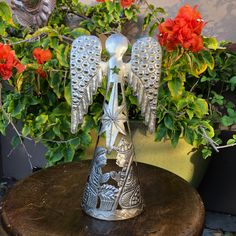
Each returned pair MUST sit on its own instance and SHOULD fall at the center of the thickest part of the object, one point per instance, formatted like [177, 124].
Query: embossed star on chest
[113, 119]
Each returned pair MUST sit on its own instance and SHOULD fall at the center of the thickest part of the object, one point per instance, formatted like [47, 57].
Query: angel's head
[117, 44]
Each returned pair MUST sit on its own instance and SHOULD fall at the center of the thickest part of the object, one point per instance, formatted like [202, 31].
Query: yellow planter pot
[180, 160]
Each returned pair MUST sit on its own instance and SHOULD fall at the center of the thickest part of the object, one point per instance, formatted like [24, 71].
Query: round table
[47, 203]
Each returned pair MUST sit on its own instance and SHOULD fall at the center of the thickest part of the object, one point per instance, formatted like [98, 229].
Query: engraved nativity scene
[114, 195]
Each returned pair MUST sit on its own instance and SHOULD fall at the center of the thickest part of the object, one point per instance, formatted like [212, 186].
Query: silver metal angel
[102, 198]
[32, 13]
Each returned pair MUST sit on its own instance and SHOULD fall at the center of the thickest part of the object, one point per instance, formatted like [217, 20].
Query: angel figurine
[114, 195]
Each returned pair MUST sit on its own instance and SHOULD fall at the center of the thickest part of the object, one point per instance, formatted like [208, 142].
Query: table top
[47, 203]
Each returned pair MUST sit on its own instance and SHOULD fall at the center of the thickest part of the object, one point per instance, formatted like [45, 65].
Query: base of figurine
[116, 215]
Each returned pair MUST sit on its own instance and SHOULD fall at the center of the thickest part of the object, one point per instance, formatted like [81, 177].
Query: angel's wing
[145, 66]
[33, 13]
[86, 76]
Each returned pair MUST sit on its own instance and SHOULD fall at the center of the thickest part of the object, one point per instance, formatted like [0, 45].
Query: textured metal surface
[33, 13]
[113, 195]
[102, 199]
[86, 76]
[144, 79]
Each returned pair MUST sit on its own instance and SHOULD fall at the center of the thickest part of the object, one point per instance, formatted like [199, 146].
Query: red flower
[100, 0]
[192, 18]
[5, 71]
[41, 55]
[8, 61]
[167, 36]
[41, 72]
[126, 3]
[20, 68]
[184, 30]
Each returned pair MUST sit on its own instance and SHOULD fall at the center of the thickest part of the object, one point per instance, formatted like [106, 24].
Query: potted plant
[34, 71]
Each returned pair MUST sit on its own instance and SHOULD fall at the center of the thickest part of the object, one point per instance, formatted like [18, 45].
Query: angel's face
[117, 44]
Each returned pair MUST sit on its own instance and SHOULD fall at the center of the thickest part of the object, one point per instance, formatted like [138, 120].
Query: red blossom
[126, 3]
[184, 30]
[41, 72]
[8, 61]
[42, 55]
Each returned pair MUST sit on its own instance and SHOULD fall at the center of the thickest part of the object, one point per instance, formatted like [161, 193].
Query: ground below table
[48, 204]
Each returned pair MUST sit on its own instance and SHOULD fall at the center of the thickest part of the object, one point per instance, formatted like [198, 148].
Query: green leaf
[54, 42]
[200, 107]
[231, 112]
[204, 79]
[176, 87]
[175, 137]
[19, 107]
[208, 58]
[206, 153]
[231, 141]
[181, 104]
[227, 121]
[2, 28]
[78, 32]
[62, 54]
[26, 130]
[88, 123]
[67, 94]
[190, 114]
[56, 155]
[161, 132]
[69, 153]
[3, 125]
[211, 43]
[55, 81]
[160, 10]
[61, 110]
[129, 14]
[85, 139]
[146, 21]
[45, 30]
[110, 6]
[188, 135]
[232, 82]
[152, 29]
[133, 99]
[41, 119]
[15, 141]
[169, 122]
[5, 12]
[57, 130]
[11, 106]
[75, 142]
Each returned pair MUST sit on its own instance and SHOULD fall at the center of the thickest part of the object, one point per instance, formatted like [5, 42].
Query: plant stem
[194, 86]
[226, 146]
[209, 140]
[37, 38]
[7, 116]
[79, 15]
[149, 7]
[38, 84]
